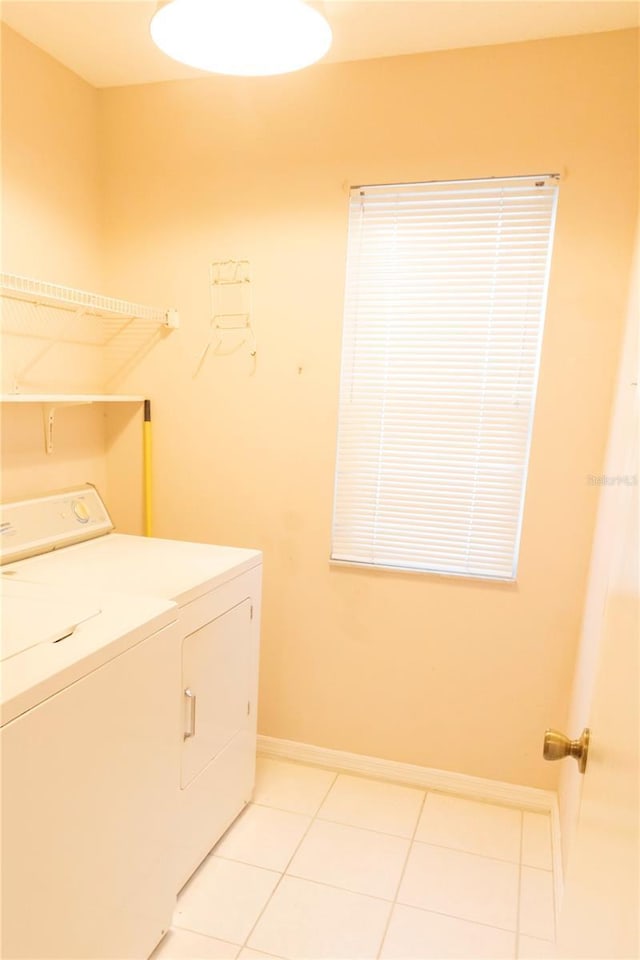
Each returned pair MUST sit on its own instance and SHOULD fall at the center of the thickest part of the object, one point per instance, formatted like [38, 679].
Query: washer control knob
[81, 511]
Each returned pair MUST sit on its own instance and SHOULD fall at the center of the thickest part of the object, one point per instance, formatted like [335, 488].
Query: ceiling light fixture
[249, 38]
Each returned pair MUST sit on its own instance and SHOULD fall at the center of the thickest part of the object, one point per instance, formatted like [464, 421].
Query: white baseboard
[556, 852]
[477, 788]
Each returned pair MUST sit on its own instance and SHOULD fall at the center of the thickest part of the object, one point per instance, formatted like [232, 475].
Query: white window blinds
[444, 309]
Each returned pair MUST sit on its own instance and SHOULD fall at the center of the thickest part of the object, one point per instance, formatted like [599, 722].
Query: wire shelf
[60, 339]
[92, 304]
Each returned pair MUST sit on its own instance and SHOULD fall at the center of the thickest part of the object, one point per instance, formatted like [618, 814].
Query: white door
[600, 911]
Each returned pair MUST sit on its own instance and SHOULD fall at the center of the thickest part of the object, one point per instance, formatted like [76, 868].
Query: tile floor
[329, 866]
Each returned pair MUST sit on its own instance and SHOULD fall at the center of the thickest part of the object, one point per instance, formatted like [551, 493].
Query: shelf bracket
[49, 416]
[172, 320]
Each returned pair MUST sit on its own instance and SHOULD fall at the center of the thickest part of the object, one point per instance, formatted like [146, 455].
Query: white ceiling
[107, 41]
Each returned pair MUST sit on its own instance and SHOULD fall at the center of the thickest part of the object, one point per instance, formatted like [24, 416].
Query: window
[444, 309]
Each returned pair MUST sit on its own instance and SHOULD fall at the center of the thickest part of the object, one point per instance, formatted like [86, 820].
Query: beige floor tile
[461, 885]
[291, 786]
[420, 935]
[530, 948]
[537, 911]
[373, 804]
[536, 840]
[185, 945]
[263, 836]
[246, 953]
[224, 899]
[483, 828]
[354, 859]
[309, 921]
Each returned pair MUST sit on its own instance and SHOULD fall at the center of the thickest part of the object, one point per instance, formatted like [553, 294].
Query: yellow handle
[146, 466]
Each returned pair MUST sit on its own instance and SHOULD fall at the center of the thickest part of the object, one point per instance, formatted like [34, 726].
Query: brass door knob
[557, 746]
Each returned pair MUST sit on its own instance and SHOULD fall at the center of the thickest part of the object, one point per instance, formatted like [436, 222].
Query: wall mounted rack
[230, 325]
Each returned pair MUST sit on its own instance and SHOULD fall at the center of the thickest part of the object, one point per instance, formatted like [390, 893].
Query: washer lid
[30, 618]
[37, 666]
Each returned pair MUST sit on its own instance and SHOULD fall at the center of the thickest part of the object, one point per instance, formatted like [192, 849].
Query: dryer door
[217, 687]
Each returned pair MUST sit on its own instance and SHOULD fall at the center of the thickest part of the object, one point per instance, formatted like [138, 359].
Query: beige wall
[50, 230]
[455, 674]
[50, 204]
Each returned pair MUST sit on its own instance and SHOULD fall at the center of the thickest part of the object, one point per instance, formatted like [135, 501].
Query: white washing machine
[89, 750]
[218, 593]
